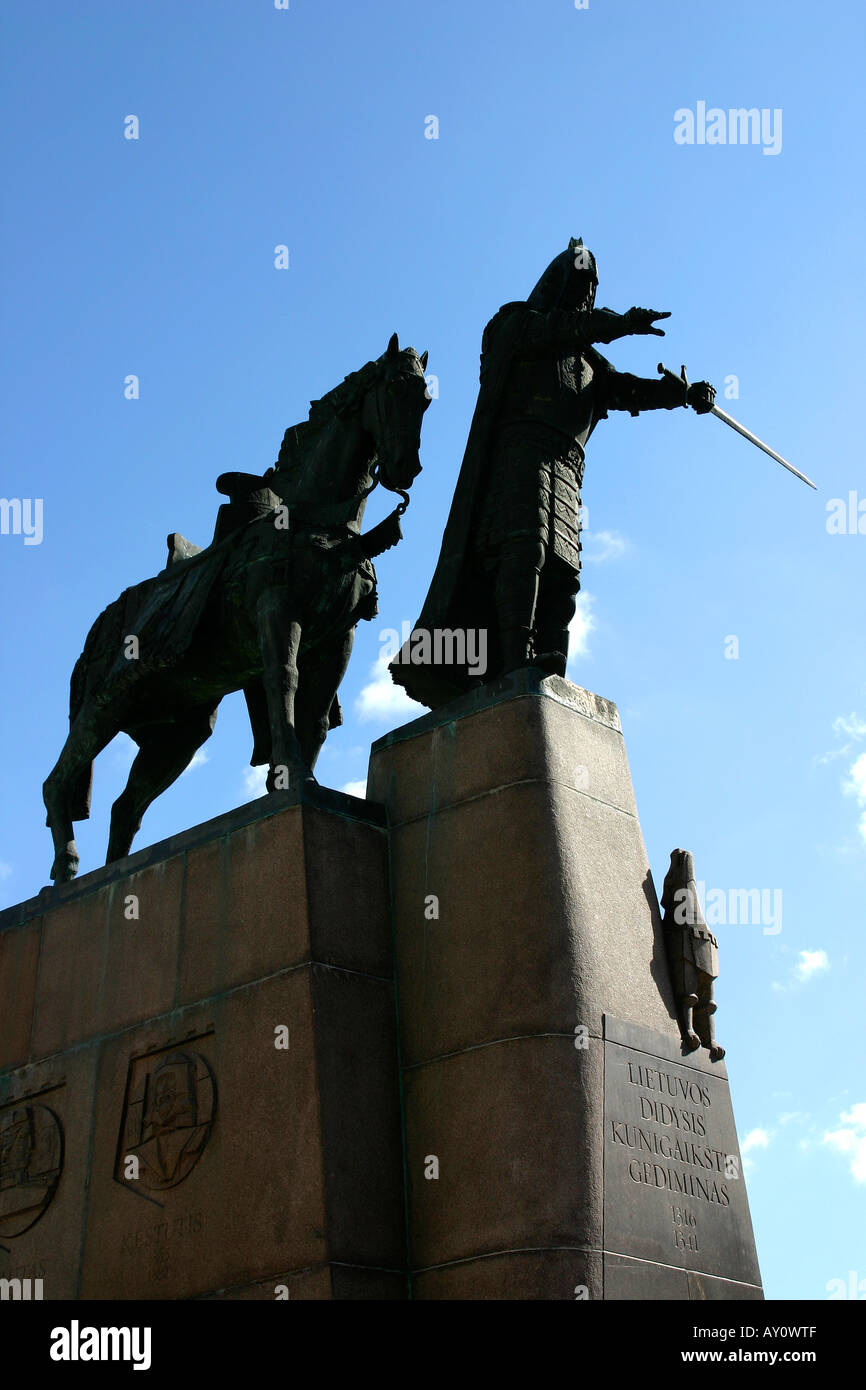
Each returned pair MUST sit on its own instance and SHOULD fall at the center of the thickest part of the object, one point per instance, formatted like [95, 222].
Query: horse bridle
[401, 506]
[383, 436]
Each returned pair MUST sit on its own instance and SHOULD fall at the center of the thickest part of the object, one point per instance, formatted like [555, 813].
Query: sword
[741, 429]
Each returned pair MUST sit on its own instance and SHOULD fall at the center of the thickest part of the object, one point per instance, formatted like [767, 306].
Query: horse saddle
[249, 498]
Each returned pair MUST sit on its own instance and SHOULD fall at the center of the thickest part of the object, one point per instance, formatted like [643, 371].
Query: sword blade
[753, 439]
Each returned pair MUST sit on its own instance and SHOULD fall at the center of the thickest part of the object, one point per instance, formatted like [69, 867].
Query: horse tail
[101, 647]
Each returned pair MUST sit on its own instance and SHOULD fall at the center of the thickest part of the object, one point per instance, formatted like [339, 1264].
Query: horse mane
[336, 402]
[344, 396]
[333, 404]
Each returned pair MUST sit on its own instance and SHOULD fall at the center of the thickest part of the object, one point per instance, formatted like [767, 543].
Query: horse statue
[269, 607]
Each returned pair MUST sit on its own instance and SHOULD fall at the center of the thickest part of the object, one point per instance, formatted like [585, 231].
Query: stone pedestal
[199, 1093]
[537, 1023]
[202, 1092]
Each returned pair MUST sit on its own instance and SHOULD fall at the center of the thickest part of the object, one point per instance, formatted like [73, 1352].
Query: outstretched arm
[606, 325]
[622, 391]
[562, 330]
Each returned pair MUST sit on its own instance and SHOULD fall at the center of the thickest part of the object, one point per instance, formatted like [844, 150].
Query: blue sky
[306, 127]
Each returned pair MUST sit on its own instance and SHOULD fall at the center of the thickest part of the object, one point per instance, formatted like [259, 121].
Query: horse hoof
[553, 663]
[692, 1041]
[64, 868]
[716, 1053]
[295, 782]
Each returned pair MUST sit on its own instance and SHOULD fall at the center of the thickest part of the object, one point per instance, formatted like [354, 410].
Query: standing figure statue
[510, 559]
[692, 953]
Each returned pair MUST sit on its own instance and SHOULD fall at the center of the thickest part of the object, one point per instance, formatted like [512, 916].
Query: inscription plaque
[674, 1192]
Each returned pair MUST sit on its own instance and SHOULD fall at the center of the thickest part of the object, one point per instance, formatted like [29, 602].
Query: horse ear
[393, 345]
[423, 359]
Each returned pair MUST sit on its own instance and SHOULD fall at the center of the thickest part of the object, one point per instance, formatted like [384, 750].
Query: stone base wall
[199, 1094]
[422, 1045]
[526, 927]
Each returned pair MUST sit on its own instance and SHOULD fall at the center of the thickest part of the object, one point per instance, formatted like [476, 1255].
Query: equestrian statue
[269, 607]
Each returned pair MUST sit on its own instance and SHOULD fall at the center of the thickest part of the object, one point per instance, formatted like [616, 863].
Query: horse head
[394, 407]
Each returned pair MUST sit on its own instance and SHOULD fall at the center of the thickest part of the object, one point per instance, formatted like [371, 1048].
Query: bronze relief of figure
[693, 957]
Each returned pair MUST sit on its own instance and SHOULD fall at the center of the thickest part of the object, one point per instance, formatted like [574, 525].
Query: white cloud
[809, 964]
[850, 1140]
[853, 728]
[850, 724]
[254, 781]
[5, 869]
[380, 698]
[600, 546]
[356, 788]
[198, 757]
[856, 786]
[581, 625]
[755, 1139]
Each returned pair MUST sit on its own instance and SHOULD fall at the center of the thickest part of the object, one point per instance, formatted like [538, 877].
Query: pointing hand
[642, 321]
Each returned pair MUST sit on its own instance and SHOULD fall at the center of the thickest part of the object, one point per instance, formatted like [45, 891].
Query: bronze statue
[269, 607]
[692, 953]
[510, 558]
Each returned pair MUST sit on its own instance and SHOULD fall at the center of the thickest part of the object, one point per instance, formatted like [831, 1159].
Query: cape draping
[446, 603]
[165, 612]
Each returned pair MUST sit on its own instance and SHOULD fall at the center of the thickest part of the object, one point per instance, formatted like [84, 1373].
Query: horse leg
[257, 709]
[87, 738]
[321, 675]
[279, 642]
[164, 751]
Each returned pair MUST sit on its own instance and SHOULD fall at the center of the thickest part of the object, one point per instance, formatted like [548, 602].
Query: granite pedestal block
[199, 1094]
[248, 1062]
[536, 1017]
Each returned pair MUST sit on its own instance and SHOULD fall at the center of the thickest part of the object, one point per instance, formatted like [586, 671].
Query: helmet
[557, 282]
